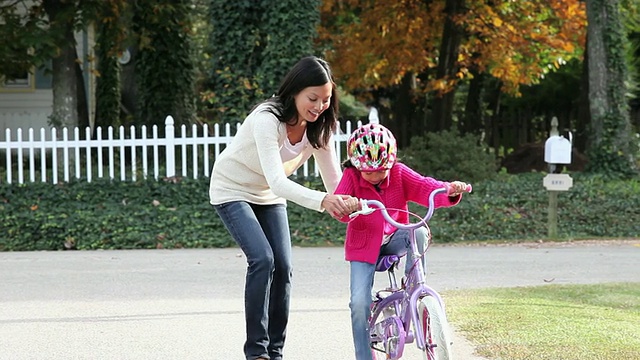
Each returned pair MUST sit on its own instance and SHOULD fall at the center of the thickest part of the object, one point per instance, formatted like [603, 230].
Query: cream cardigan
[251, 168]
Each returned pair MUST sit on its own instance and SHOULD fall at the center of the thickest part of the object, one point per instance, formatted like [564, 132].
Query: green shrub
[109, 215]
[161, 214]
[446, 155]
[515, 207]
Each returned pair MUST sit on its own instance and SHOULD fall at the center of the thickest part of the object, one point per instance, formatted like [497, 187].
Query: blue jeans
[361, 280]
[262, 232]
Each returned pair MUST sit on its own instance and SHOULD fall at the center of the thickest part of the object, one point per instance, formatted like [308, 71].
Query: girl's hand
[340, 205]
[353, 204]
[457, 187]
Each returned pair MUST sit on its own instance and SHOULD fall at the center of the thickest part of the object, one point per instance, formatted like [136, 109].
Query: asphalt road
[187, 304]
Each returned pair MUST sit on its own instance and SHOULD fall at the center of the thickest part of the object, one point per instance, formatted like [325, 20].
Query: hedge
[176, 214]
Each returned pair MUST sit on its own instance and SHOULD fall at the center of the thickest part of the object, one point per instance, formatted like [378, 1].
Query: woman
[250, 186]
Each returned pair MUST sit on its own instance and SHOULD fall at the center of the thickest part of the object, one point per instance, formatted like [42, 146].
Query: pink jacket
[365, 232]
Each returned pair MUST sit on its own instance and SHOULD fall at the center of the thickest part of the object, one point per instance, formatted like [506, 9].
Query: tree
[21, 34]
[109, 45]
[446, 43]
[165, 68]
[42, 32]
[252, 46]
[611, 148]
[49, 37]
[447, 68]
[631, 19]
[69, 94]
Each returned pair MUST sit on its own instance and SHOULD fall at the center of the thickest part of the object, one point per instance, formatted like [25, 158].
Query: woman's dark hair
[309, 71]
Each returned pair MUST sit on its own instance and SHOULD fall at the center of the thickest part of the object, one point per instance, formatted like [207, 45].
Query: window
[18, 81]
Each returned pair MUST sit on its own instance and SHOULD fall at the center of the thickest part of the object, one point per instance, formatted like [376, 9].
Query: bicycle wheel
[435, 329]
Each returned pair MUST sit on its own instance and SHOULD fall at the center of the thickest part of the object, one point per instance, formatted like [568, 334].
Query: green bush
[515, 207]
[447, 155]
[109, 215]
[161, 214]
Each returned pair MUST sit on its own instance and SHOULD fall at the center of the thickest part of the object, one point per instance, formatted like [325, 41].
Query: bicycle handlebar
[369, 206]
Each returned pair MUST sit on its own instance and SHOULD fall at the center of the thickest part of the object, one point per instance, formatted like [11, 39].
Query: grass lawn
[555, 322]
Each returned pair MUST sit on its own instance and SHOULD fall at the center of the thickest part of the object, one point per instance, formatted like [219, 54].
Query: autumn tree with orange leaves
[417, 53]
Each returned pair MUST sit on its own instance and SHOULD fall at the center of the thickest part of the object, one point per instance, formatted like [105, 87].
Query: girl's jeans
[262, 232]
[361, 279]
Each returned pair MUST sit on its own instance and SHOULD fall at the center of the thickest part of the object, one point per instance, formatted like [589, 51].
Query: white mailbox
[557, 150]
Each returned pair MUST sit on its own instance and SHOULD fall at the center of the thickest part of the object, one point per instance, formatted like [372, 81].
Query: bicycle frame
[404, 300]
[414, 288]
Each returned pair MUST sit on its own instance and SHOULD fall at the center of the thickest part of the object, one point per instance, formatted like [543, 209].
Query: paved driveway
[187, 304]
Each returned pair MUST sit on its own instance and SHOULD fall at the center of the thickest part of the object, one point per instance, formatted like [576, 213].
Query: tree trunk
[473, 117]
[611, 147]
[108, 84]
[447, 60]
[584, 116]
[129, 91]
[492, 126]
[82, 105]
[403, 112]
[64, 82]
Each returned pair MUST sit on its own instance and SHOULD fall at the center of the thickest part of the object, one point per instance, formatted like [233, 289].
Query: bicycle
[396, 308]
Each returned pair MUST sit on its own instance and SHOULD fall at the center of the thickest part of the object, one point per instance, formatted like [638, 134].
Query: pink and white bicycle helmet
[372, 147]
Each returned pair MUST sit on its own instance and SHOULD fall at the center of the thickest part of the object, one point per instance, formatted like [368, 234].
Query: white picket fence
[129, 156]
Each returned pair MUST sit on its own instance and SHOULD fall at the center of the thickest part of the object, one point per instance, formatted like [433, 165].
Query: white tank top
[289, 151]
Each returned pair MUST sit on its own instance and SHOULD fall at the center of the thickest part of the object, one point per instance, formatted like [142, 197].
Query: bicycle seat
[386, 261]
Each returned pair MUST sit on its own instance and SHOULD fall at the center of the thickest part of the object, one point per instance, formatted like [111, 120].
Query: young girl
[372, 172]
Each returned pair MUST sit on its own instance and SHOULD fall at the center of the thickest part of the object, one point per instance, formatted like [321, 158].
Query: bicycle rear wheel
[435, 329]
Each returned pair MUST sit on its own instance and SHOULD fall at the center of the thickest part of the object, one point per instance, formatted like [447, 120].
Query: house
[27, 101]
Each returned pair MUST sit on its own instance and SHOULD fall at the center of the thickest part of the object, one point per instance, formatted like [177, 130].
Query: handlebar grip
[467, 189]
[364, 209]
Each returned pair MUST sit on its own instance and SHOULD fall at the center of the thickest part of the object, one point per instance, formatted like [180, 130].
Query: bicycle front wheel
[435, 329]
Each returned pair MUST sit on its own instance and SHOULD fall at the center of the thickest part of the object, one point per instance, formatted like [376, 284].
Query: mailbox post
[557, 150]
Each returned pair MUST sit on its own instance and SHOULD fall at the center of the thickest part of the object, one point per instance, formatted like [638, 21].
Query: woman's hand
[340, 205]
[457, 187]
